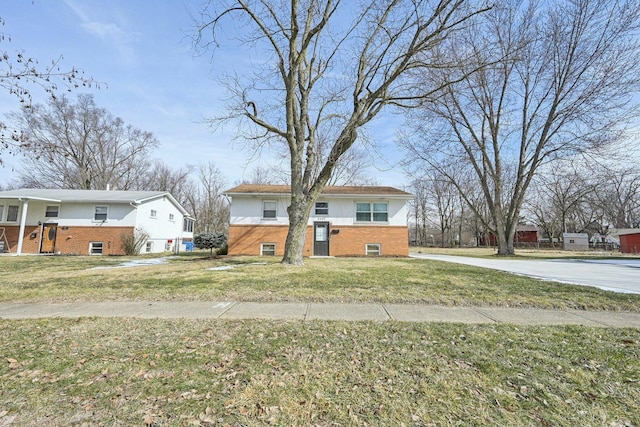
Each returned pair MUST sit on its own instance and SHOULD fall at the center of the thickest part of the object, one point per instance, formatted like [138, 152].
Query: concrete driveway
[617, 275]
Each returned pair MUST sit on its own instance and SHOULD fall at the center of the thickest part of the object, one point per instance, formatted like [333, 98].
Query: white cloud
[110, 32]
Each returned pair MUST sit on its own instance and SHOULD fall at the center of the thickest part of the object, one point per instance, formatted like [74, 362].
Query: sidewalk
[318, 311]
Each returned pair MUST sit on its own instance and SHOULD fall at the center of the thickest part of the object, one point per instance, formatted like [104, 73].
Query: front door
[48, 243]
[321, 238]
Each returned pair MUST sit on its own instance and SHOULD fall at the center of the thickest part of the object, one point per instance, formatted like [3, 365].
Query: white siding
[247, 210]
[73, 214]
[161, 228]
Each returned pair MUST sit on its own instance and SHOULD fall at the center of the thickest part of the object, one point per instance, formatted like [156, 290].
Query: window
[12, 213]
[380, 212]
[367, 212]
[322, 208]
[149, 247]
[51, 211]
[373, 249]
[154, 213]
[1, 212]
[269, 209]
[96, 248]
[100, 213]
[267, 249]
[172, 217]
[187, 225]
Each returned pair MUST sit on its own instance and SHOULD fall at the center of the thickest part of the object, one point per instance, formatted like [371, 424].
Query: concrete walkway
[319, 311]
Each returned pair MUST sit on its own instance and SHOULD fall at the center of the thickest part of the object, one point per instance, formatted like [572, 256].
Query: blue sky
[141, 53]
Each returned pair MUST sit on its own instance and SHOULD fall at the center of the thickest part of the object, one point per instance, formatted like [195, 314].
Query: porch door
[49, 232]
[321, 238]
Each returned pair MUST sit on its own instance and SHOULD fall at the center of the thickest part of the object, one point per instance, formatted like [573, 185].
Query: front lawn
[357, 280]
[123, 372]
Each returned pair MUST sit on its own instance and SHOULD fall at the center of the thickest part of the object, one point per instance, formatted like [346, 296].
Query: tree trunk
[299, 211]
[505, 241]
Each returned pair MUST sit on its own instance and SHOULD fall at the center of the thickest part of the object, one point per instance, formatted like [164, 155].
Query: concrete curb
[318, 311]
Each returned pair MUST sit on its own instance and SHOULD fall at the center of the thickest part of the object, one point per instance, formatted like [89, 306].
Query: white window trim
[153, 213]
[52, 206]
[315, 208]
[91, 248]
[95, 207]
[172, 217]
[17, 213]
[371, 213]
[275, 248]
[366, 249]
[1, 212]
[262, 209]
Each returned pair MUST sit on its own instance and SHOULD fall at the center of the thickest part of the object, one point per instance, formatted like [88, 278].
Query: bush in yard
[132, 243]
[210, 241]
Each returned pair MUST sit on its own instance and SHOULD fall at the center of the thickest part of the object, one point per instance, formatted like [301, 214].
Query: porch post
[23, 220]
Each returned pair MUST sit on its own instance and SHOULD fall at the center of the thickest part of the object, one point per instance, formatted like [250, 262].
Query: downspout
[23, 220]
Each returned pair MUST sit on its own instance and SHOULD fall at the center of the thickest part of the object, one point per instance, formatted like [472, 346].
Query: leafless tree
[617, 194]
[330, 67]
[557, 195]
[21, 73]
[560, 79]
[162, 177]
[82, 146]
[206, 202]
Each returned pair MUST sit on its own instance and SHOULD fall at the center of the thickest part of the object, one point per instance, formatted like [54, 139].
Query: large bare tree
[560, 81]
[82, 146]
[326, 67]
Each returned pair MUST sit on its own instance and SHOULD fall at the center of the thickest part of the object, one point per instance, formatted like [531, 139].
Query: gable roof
[88, 196]
[285, 190]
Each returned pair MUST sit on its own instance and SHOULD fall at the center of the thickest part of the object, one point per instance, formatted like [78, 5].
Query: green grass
[160, 372]
[357, 280]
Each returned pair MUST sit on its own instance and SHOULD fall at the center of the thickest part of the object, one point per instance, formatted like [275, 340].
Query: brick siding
[350, 240]
[70, 240]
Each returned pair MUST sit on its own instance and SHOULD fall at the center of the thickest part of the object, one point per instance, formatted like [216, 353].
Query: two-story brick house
[345, 221]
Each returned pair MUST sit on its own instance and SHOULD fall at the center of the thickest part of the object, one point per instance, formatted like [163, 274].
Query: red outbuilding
[630, 241]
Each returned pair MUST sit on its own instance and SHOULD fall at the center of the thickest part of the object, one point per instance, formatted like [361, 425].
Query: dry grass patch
[155, 372]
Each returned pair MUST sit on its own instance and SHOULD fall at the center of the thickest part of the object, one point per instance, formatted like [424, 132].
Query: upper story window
[372, 212]
[12, 213]
[322, 208]
[187, 225]
[100, 213]
[51, 211]
[269, 209]
[153, 213]
[172, 217]
[1, 212]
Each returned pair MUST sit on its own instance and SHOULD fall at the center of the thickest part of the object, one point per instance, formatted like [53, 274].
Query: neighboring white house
[90, 222]
[344, 221]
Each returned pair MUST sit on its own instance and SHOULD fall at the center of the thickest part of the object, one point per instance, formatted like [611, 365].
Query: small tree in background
[132, 243]
[210, 241]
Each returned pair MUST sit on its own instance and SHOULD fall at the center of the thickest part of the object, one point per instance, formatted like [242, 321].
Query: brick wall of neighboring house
[70, 240]
[349, 241]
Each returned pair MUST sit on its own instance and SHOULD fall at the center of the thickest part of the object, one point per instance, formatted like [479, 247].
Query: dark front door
[321, 238]
[48, 242]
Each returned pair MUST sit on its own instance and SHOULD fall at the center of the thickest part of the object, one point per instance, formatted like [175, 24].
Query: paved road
[621, 275]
